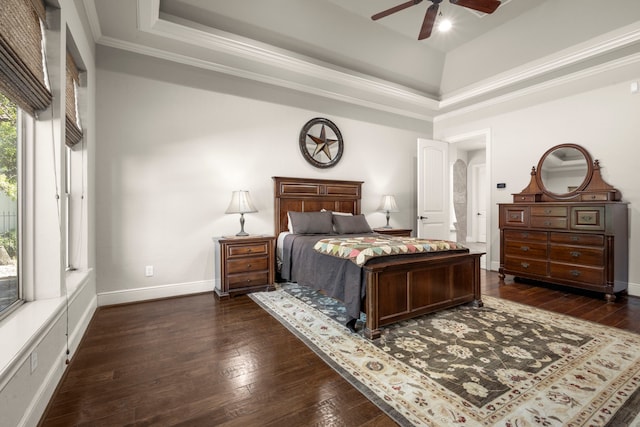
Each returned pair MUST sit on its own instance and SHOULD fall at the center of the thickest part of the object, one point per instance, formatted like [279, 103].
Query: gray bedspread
[338, 278]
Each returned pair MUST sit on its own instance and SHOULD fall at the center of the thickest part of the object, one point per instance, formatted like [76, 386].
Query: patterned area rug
[503, 364]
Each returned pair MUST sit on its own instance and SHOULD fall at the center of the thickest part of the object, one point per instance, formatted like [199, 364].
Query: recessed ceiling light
[444, 25]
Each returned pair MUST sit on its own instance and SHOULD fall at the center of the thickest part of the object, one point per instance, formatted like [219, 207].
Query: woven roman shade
[22, 75]
[72, 120]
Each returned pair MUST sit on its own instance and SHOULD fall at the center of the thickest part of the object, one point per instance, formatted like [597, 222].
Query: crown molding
[544, 86]
[362, 90]
[260, 77]
[600, 45]
[94, 21]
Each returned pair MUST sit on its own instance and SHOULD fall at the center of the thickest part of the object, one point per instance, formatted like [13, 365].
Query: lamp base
[242, 234]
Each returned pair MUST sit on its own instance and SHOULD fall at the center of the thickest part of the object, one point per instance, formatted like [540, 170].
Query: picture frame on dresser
[567, 227]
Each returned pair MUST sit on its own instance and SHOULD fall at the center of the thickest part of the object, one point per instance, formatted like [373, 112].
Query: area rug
[503, 364]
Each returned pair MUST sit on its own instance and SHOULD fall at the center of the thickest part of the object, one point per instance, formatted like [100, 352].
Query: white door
[479, 204]
[433, 189]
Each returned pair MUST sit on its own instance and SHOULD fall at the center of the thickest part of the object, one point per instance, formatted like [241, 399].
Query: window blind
[22, 72]
[72, 119]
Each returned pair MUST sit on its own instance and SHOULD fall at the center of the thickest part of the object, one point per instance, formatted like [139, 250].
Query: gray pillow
[351, 224]
[310, 222]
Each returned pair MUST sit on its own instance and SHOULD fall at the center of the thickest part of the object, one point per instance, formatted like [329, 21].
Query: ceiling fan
[486, 6]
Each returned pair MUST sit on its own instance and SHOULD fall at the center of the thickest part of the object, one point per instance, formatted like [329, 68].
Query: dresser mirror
[564, 170]
[567, 173]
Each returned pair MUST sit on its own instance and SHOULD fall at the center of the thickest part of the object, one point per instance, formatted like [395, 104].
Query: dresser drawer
[526, 249]
[587, 218]
[577, 239]
[577, 273]
[549, 210]
[524, 265]
[539, 236]
[590, 256]
[247, 249]
[247, 280]
[516, 216]
[247, 264]
[549, 222]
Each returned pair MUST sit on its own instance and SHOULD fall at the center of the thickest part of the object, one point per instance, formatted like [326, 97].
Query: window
[10, 289]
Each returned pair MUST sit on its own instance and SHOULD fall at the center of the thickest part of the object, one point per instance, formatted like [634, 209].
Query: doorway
[472, 149]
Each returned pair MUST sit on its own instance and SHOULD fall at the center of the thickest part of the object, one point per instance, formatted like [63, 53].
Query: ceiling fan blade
[429, 21]
[486, 6]
[395, 9]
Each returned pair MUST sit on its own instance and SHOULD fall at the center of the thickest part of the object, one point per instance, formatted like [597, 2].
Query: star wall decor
[321, 142]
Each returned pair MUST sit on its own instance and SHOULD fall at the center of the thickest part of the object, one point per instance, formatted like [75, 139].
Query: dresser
[244, 264]
[578, 238]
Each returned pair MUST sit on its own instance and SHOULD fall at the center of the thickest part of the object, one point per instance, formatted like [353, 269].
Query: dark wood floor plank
[198, 361]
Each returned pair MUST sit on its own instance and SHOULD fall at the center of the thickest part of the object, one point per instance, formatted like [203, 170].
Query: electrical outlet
[34, 361]
[148, 270]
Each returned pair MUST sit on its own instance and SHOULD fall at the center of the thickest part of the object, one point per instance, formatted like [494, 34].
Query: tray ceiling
[332, 48]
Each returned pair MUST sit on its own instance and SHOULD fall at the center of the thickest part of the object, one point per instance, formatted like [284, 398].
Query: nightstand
[244, 264]
[401, 232]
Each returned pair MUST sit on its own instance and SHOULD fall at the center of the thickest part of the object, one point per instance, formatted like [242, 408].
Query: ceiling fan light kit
[485, 6]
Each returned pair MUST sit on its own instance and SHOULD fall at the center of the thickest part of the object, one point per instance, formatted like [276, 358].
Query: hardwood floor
[198, 361]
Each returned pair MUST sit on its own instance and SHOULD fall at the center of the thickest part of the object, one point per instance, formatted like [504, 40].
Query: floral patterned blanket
[360, 249]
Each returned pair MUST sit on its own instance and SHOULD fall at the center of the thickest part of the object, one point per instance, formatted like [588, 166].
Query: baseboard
[153, 292]
[634, 289]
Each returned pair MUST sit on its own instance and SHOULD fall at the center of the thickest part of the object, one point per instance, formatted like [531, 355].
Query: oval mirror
[564, 170]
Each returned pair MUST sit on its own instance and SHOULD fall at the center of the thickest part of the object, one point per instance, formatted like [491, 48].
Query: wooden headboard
[312, 195]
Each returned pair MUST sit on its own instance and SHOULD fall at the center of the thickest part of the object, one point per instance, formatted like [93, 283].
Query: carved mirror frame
[592, 189]
[570, 194]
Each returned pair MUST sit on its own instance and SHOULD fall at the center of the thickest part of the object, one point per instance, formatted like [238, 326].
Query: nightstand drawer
[247, 280]
[247, 264]
[247, 249]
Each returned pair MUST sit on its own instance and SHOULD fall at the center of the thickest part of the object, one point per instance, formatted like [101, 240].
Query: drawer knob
[248, 265]
[575, 273]
[525, 235]
[575, 239]
[524, 264]
[547, 223]
[514, 216]
[524, 248]
[575, 254]
[547, 211]
[586, 218]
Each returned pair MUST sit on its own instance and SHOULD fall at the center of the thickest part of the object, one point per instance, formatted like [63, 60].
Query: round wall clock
[321, 143]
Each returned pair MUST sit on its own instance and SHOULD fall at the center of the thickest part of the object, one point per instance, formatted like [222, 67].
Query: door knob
[423, 217]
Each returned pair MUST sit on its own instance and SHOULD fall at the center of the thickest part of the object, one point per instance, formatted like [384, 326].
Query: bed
[387, 289]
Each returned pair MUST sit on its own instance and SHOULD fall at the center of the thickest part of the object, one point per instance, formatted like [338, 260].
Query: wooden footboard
[401, 289]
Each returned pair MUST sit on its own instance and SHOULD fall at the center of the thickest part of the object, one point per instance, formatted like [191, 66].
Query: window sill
[24, 329]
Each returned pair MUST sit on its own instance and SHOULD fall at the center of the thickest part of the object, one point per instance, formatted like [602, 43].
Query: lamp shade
[388, 204]
[240, 203]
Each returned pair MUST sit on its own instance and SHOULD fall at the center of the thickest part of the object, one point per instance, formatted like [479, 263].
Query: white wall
[603, 120]
[174, 141]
